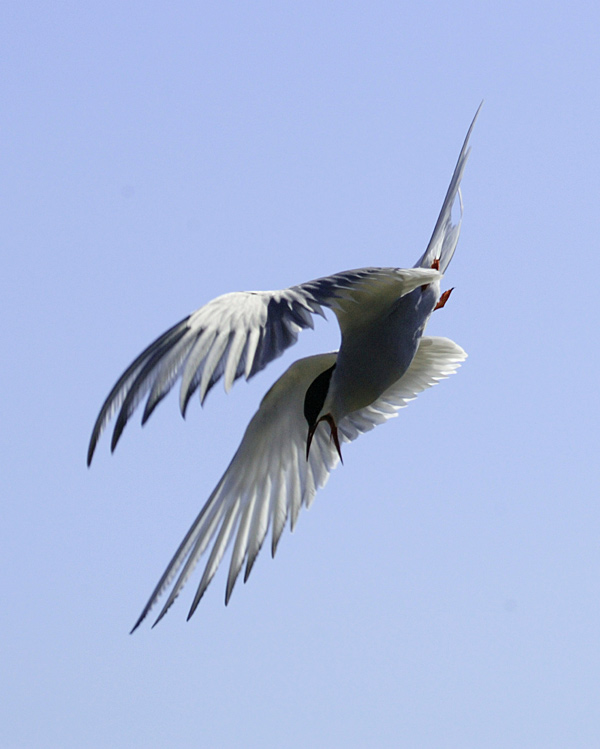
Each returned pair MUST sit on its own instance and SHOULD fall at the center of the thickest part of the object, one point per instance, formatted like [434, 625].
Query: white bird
[384, 361]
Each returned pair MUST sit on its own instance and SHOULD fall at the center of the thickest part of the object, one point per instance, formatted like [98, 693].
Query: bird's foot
[443, 299]
[435, 265]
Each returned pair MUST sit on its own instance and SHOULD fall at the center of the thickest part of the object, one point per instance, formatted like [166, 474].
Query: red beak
[334, 434]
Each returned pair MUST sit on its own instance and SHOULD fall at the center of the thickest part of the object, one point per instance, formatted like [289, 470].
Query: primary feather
[384, 361]
[255, 492]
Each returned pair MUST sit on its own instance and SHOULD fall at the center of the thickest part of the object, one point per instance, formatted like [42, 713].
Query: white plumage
[384, 361]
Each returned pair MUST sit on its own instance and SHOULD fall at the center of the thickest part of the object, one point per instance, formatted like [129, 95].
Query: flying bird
[321, 402]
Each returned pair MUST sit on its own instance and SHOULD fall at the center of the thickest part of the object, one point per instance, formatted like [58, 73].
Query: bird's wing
[269, 478]
[374, 294]
[445, 234]
[233, 335]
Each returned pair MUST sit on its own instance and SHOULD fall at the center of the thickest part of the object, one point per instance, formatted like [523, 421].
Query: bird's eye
[316, 394]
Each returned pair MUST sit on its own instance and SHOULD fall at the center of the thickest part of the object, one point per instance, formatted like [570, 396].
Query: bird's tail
[445, 234]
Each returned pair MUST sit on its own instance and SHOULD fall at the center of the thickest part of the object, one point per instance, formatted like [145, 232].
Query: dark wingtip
[119, 426]
[184, 405]
[141, 618]
[195, 604]
[135, 626]
[148, 412]
[191, 613]
[96, 432]
[165, 608]
[229, 589]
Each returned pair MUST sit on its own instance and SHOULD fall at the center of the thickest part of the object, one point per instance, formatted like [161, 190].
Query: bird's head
[315, 409]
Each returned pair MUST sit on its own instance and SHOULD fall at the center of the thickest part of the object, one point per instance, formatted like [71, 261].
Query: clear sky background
[443, 590]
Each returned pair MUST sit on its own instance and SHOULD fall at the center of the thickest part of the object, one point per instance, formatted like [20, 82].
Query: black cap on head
[315, 396]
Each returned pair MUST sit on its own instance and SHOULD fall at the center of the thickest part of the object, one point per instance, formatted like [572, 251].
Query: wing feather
[237, 335]
[239, 548]
[192, 370]
[117, 395]
[214, 358]
[269, 478]
[286, 488]
[445, 234]
[258, 525]
[216, 554]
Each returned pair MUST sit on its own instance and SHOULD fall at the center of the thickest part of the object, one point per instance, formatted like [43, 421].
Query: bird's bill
[334, 434]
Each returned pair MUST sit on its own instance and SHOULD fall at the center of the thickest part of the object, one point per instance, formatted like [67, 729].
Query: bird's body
[367, 363]
[384, 361]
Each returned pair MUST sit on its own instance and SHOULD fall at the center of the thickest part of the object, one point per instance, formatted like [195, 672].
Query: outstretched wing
[269, 478]
[445, 234]
[233, 335]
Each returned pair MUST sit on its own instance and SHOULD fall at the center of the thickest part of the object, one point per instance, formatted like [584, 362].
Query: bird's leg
[443, 299]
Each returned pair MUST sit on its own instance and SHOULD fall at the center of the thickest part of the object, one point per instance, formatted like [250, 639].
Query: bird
[295, 438]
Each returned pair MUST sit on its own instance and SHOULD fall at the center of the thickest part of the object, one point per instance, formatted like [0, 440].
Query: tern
[294, 439]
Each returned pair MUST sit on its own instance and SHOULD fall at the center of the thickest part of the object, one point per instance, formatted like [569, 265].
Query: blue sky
[442, 591]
